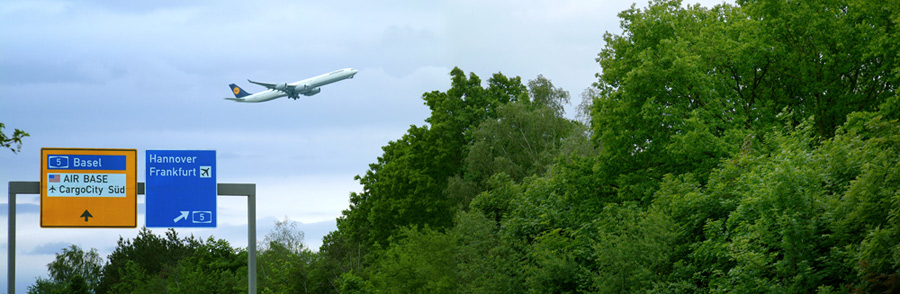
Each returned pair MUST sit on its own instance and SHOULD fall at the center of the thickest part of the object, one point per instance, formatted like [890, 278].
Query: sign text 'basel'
[88, 187]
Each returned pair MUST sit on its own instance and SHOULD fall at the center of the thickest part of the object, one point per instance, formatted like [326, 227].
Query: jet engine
[313, 91]
[290, 91]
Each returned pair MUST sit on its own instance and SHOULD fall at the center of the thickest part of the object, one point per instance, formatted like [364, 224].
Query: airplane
[204, 172]
[307, 87]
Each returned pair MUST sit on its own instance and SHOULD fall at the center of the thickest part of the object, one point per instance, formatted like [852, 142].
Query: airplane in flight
[307, 87]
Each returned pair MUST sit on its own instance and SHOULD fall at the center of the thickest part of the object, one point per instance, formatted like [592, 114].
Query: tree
[519, 142]
[8, 142]
[542, 93]
[682, 88]
[748, 148]
[827, 58]
[146, 254]
[862, 165]
[725, 116]
[214, 267]
[414, 182]
[284, 264]
[72, 271]
[468, 258]
[153, 264]
[583, 110]
[407, 184]
[523, 138]
[424, 261]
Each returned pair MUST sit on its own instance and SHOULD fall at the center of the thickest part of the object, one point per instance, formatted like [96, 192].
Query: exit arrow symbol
[86, 215]
[184, 215]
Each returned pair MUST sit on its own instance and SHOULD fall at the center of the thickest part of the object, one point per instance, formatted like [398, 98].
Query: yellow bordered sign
[88, 188]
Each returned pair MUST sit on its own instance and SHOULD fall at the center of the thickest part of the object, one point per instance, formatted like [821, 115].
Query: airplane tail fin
[238, 92]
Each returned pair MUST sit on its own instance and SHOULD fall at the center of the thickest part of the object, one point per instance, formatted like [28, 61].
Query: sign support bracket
[224, 189]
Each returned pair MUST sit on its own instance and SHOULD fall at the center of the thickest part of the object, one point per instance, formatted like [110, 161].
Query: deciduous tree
[72, 271]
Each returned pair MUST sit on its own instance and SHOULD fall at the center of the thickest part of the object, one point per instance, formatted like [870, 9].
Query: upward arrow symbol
[86, 215]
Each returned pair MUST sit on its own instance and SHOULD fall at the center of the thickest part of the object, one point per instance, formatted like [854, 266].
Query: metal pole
[251, 241]
[11, 240]
[15, 188]
[248, 190]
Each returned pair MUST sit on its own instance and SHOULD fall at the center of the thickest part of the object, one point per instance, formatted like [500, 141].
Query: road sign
[95, 188]
[181, 188]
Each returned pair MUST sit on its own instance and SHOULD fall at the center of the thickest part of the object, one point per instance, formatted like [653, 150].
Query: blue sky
[152, 75]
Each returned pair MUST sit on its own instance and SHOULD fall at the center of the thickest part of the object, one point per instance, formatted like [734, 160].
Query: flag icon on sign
[53, 178]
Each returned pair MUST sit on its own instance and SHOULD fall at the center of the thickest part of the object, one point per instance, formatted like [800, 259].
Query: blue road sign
[181, 188]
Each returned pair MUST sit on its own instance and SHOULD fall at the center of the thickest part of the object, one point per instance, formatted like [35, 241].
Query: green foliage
[542, 93]
[405, 187]
[632, 248]
[284, 265]
[134, 279]
[151, 264]
[469, 258]
[520, 142]
[339, 256]
[422, 262]
[486, 261]
[72, 271]
[7, 142]
[496, 202]
[523, 140]
[683, 88]
[474, 137]
[78, 285]
[778, 234]
[745, 149]
[214, 267]
[870, 207]
[146, 254]
[665, 105]
[353, 284]
[829, 58]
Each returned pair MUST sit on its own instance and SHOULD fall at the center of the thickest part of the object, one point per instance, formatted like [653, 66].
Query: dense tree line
[739, 148]
[749, 148]
[151, 263]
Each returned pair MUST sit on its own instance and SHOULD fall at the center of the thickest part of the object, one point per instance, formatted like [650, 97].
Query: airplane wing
[267, 85]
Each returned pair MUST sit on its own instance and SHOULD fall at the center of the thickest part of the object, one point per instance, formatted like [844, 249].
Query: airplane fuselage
[307, 87]
[260, 96]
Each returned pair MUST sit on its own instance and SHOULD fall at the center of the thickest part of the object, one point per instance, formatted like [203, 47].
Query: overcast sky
[152, 75]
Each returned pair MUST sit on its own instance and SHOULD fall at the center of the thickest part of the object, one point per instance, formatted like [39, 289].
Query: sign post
[88, 188]
[181, 188]
[248, 190]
